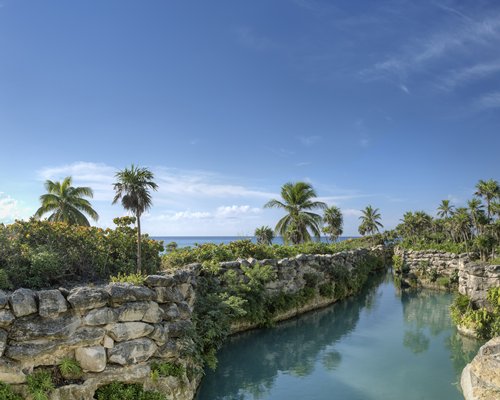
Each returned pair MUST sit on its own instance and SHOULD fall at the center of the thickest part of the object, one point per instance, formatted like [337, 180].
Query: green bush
[70, 368]
[326, 290]
[40, 253]
[397, 263]
[6, 393]
[443, 281]
[122, 391]
[168, 369]
[134, 278]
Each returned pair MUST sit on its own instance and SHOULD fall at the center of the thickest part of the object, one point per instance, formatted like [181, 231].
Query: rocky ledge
[481, 378]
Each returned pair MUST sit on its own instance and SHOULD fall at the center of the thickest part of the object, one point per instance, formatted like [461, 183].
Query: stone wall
[113, 331]
[116, 331]
[481, 378]
[476, 279]
[444, 263]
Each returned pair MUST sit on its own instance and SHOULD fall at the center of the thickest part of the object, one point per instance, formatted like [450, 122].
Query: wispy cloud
[303, 164]
[250, 38]
[488, 101]
[404, 88]
[309, 140]
[11, 209]
[463, 76]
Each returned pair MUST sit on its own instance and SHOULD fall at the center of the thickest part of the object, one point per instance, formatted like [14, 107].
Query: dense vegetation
[177, 257]
[38, 254]
[122, 391]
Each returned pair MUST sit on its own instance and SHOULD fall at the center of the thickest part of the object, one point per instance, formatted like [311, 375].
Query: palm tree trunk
[139, 260]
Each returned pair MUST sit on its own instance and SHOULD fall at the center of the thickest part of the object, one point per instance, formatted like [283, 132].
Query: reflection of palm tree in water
[251, 361]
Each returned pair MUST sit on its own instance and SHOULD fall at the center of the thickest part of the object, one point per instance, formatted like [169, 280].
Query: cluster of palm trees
[68, 204]
[477, 224]
[301, 223]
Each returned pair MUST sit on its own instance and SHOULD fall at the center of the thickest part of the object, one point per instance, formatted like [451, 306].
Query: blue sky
[390, 103]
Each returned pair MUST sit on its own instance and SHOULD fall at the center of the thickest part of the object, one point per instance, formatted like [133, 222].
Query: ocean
[185, 241]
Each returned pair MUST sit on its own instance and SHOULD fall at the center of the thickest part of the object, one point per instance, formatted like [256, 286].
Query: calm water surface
[381, 345]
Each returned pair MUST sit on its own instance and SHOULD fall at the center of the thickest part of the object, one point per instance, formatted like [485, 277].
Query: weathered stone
[101, 316]
[171, 312]
[132, 311]
[108, 343]
[170, 350]
[22, 302]
[132, 351]
[51, 303]
[159, 280]
[123, 331]
[6, 318]
[4, 299]
[87, 298]
[160, 334]
[11, 372]
[153, 314]
[168, 295]
[3, 341]
[184, 310]
[178, 329]
[125, 292]
[33, 327]
[91, 359]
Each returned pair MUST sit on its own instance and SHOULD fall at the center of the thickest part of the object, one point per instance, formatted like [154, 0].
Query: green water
[380, 345]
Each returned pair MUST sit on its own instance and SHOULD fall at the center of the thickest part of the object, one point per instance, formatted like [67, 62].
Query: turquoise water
[380, 345]
[184, 241]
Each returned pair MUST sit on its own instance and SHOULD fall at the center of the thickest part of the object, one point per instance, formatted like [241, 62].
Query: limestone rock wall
[113, 331]
[476, 279]
[444, 263]
[481, 378]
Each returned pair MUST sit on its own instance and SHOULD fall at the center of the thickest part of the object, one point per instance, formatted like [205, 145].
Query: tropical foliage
[264, 235]
[370, 221]
[334, 222]
[298, 200]
[133, 189]
[40, 253]
[66, 203]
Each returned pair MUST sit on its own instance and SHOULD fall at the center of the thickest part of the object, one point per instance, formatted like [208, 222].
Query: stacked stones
[444, 263]
[106, 329]
[474, 280]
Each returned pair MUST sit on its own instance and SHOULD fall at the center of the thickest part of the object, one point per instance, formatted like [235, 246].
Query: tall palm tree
[476, 212]
[488, 190]
[445, 209]
[370, 221]
[334, 221]
[133, 188]
[298, 199]
[67, 203]
[264, 235]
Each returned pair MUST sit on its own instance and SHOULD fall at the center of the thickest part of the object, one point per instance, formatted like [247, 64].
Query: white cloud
[11, 209]
[351, 212]
[464, 75]
[309, 140]
[404, 88]
[489, 100]
[236, 211]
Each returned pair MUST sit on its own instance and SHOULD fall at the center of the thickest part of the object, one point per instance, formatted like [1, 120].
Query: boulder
[4, 299]
[3, 341]
[51, 303]
[132, 311]
[11, 372]
[171, 312]
[168, 295]
[125, 292]
[101, 316]
[91, 359]
[22, 302]
[108, 343]
[159, 280]
[132, 351]
[87, 298]
[6, 318]
[160, 334]
[123, 331]
[34, 327]
[178, 328]
[154, 313]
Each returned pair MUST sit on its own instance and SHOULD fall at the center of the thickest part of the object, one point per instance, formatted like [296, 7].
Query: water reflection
[304, 358]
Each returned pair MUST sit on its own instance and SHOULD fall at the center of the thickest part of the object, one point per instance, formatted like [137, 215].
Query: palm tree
[132, 188]
[462, 224]
[67, 203]
[264, 235]
[445, 209]
[334, 221]
[297, 200]
[476, 212]
[488, 190]
[370, 221]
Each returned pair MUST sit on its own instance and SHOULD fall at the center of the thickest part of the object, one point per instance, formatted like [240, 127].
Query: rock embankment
[481, 378]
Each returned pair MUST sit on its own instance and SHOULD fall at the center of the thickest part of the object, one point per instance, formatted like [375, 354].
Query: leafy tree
[489, 190]
[370, 221]
[66, 203]
[133, 188]
[445, 209]
[334, 222]
[298, 199]
[264, 235]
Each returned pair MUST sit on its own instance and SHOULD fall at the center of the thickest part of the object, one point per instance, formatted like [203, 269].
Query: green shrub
[433, 274]
[122, 391]
[134, 278]
[5, 283]
[168, 369]
[6, 393]
[443, 281]
[311, 279]
[40, 384]
[428, 244]
[70, 368]
[397, 263]
[326, 290]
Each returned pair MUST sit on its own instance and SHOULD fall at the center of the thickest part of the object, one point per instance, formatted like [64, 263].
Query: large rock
[168, 295]
[153, 314]
[159, 280]
[6, 318]
[34, 327]
[3, 341]
[4, 299]
[51, 303]
[481, 378]
[91, 359]
[87, 298]
[122, 331]
[129, 312]
[132, 351]
[160, 334]
[11, 372]
[101, 316]
[22, 302]
[126, 292]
